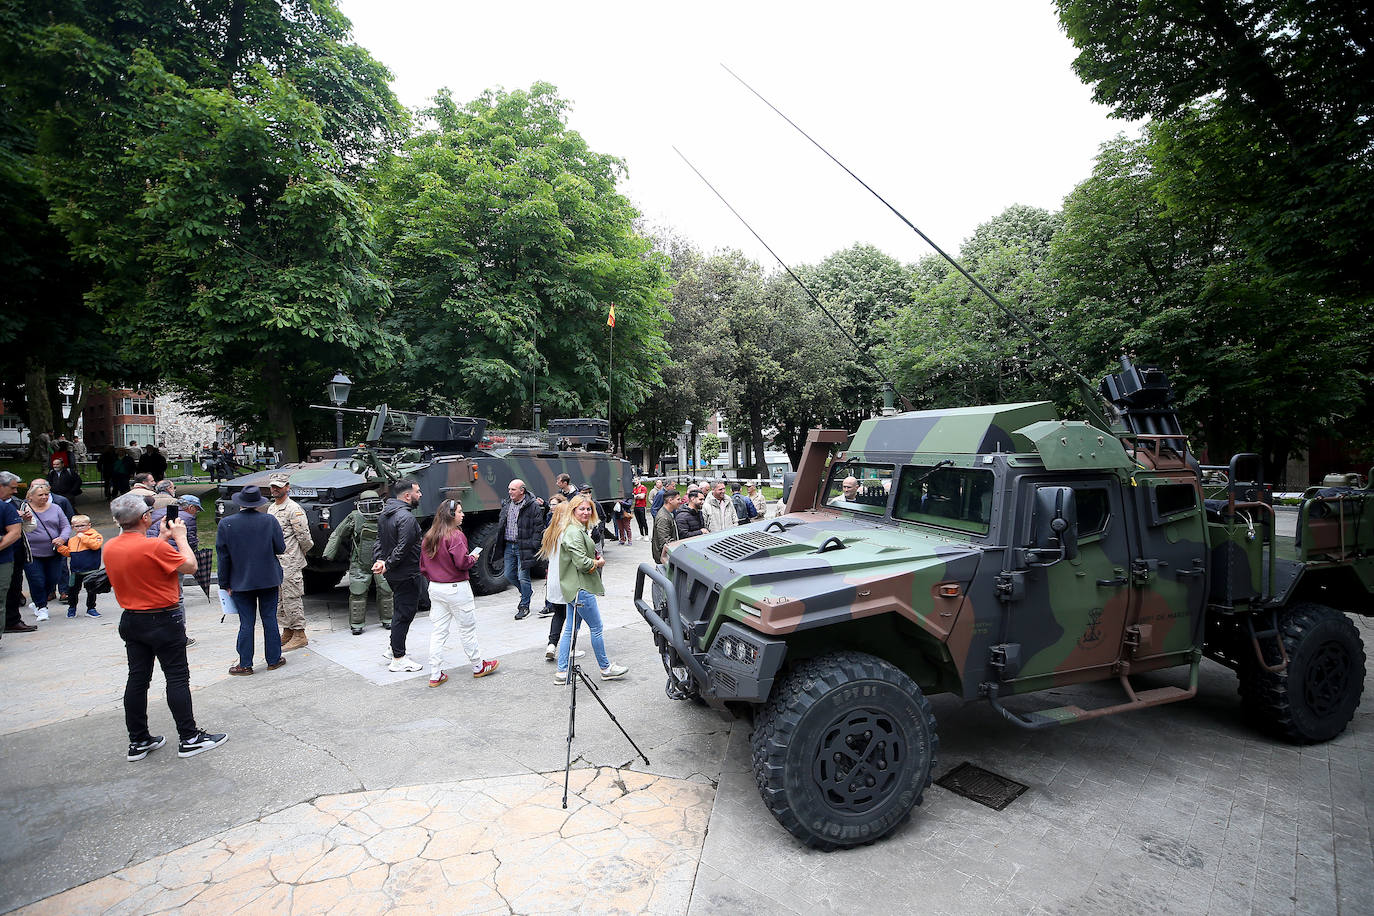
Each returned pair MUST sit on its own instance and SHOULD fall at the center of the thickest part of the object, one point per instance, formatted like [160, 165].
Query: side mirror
[788, 478]
[1054, 525]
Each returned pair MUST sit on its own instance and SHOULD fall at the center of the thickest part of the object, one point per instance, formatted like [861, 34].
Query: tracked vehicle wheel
[844, 749]
[488, 576]
[1317, 697]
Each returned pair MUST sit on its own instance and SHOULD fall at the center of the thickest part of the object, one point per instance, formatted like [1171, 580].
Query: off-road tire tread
[485, 536]
[1268, 702]
[794, 693]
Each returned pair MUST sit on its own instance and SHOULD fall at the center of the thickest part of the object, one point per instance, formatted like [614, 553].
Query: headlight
[324, 515]
[736, 649]
[219, 508]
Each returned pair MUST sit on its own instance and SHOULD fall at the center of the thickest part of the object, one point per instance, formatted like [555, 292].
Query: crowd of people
[261, 551]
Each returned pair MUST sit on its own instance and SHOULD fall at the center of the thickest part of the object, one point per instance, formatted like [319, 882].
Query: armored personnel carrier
[452, 458]
[995, 551]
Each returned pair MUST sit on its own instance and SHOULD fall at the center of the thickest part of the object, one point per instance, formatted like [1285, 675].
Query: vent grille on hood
[739, 546]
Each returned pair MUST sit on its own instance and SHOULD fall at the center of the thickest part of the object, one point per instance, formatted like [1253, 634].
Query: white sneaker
[40, 614]
[613, 672]
[405, 664]
[560, 677]
[551, 652]
[387, 653]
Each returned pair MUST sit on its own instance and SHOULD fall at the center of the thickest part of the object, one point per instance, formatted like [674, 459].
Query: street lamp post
[338, 389]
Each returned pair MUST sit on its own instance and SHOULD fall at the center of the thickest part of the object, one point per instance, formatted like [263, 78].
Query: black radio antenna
[906, 402]
[1090, 397]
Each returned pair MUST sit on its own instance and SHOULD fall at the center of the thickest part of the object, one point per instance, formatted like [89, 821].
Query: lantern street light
[338, 389]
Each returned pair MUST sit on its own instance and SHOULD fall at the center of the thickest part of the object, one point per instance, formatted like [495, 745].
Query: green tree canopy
[1257, 365]
[1266, 114]
[199, 158]
[506, 243]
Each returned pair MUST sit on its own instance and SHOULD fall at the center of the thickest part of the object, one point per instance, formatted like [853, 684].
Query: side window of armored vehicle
[859, 487]
[1170, 499]
[1094, 508]
[959, 498]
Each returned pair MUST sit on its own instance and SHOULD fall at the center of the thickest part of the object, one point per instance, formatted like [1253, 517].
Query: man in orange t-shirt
[145, 574]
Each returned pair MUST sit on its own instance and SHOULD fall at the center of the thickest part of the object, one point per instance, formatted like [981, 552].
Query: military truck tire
[1316, 698]
[848, 715]
[488, 576]
[319, 580]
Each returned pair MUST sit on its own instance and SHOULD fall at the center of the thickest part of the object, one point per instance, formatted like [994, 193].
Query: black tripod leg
[573, 670]
[596, 695]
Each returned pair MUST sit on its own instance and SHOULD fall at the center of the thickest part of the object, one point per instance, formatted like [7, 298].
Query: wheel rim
[859, 760]
[1324, 682]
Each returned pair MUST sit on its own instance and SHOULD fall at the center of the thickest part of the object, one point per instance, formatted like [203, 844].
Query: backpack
[741, 511]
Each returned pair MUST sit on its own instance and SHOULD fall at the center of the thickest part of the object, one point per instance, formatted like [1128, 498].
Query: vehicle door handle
[1111, 583]
[1195, 571]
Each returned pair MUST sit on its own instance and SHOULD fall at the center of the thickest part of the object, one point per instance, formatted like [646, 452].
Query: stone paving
[627, 843]
[341, 793]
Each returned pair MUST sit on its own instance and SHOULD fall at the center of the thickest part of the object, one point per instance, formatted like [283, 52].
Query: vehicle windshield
[950, 497]
[859, 487]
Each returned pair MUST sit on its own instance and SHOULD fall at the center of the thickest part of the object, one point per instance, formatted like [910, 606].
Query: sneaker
[405, 664]
[561, 677]
[546, 611]
[614, 672]
[202, 742]
[92, 612]
[190, 641]
[439, 681]
[386, 624]
[387, 653]
[40, 613]
[277, 664]
[520, 613]
[71, 613]
[357, 631]
[489, 666]
[140, 749]
[551, 652]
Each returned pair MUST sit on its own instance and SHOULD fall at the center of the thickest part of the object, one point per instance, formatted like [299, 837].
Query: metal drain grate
[980, 785]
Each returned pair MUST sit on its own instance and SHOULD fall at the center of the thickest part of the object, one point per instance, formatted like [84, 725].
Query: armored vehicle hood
[815, 568]
[307, 479]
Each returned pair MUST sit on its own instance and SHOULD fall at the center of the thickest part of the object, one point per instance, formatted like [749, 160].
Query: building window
[136, 407]
[141, 433]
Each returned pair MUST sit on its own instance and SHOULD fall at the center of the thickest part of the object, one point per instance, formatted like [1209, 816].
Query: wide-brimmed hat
[249, 498]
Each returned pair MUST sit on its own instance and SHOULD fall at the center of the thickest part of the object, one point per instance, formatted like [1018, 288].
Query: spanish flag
[610, 319]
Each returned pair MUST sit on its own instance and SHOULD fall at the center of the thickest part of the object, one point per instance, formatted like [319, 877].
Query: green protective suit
[363, 533]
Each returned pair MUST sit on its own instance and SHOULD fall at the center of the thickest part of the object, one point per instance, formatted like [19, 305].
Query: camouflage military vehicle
[994, 551]
[452, 458]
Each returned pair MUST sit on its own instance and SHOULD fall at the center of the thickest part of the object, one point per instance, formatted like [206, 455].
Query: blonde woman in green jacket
[579, 577]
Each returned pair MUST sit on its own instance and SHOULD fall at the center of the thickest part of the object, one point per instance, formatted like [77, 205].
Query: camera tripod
[575, 674]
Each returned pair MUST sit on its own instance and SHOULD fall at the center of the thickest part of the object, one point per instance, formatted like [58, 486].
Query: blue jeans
[584, 610]
[255, 604]
[44, 573]
[514, 572]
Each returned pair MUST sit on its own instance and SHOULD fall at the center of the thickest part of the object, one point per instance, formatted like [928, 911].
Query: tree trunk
[81, 392]
[756, 435]
[37, 406]
[279, 415]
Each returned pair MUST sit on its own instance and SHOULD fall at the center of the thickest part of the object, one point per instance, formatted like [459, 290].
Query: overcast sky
[953, 111]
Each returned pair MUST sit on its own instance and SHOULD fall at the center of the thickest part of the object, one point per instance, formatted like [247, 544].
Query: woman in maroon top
[445, 561]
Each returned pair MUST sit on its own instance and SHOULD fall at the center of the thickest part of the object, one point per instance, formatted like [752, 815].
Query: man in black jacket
[396, 555]
[520, 528]
[690, 521]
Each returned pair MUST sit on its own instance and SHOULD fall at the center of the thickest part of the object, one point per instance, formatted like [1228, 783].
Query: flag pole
[610, 367]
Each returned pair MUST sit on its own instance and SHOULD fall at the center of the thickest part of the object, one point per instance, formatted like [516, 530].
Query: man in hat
[295, 528]
[248, 544]
[361, 526]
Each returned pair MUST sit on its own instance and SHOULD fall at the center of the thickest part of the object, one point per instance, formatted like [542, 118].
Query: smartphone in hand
[474, 551]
